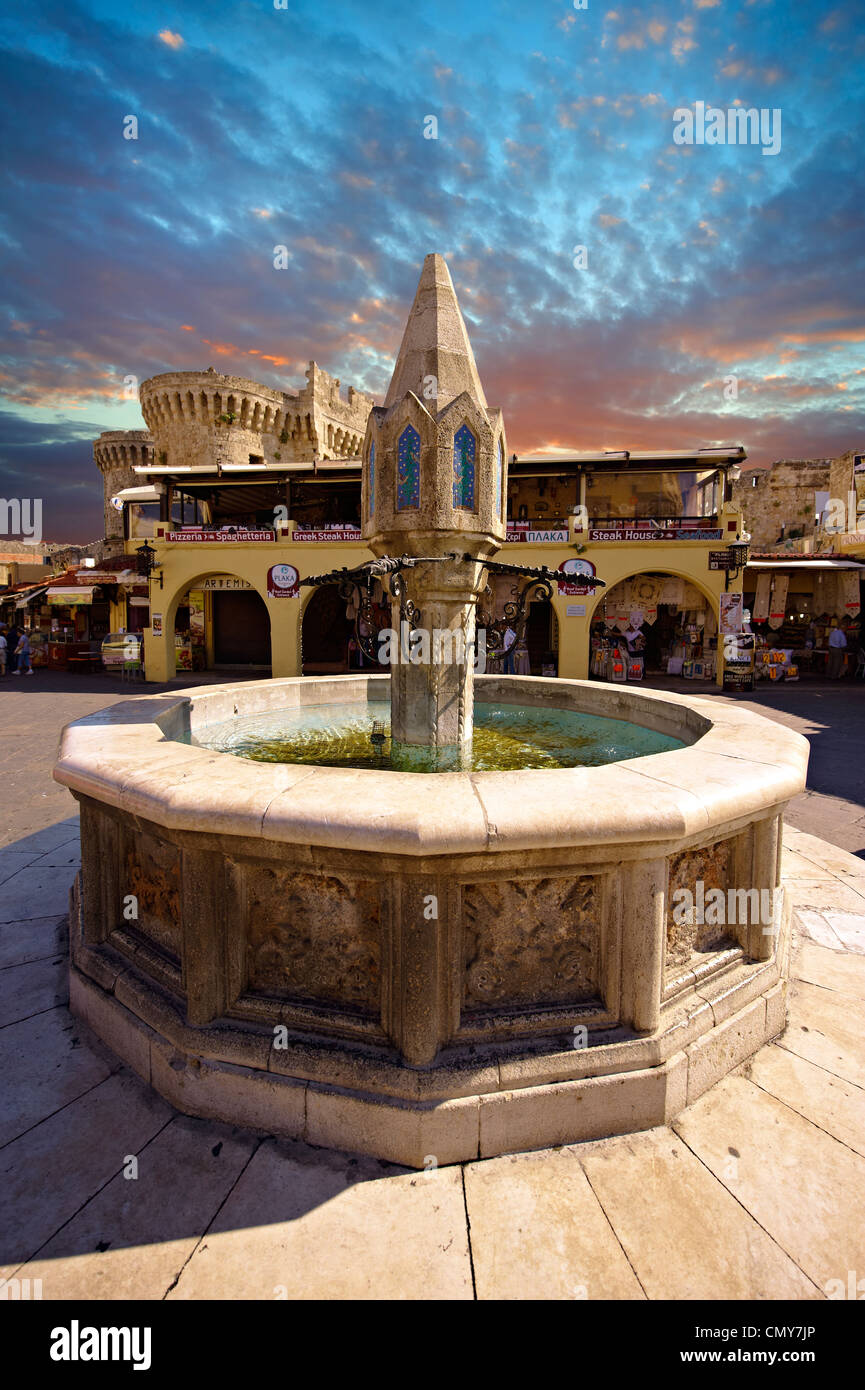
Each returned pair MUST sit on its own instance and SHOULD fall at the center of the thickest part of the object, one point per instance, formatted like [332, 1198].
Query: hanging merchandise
[762, 597]
[672, 591]
[849, 587]
[778, 606]
[646, 594]
[692, 598]
[825, 596]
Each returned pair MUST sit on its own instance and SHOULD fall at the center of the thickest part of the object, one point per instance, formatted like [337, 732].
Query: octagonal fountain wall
[403, 964]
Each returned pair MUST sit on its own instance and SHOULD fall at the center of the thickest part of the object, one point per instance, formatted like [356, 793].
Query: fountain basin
[409, 965]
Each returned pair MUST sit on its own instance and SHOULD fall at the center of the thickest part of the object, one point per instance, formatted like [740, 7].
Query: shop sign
[571, 570]
[739, 662]
[575, 610]
[538, 537]
[229, 533]
[667, 533]
[283, 581]
[342, 533]
[216, 583]
[730, 614]
[720, 560]
[69, 599]
[156, 624]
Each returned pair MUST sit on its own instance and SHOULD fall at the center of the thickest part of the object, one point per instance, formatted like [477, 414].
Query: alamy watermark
[21, 517]
[717, 907]
[737, 125]
[415, 646]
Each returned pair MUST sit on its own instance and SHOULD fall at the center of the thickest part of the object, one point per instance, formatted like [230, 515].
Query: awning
[71, 595]
[803, 566]
[138, 494]
[136, 602]
[24, 599]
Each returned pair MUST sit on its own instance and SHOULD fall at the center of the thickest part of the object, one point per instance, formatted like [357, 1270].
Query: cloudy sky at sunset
[304, 127]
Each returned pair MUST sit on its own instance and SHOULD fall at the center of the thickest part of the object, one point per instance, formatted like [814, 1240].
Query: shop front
[654, 624]
[801, 611]
[221, 623]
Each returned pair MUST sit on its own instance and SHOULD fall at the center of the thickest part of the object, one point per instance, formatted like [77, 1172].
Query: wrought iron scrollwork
[514, 616]
[356, 587]
[539, 585]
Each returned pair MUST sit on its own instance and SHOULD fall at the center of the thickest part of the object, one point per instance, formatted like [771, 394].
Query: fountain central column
[435, 486]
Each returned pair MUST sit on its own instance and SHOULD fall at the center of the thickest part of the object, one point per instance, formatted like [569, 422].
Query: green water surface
[506, 738]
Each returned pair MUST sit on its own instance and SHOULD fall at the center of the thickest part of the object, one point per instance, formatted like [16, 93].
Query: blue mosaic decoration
[408, 469]
[465, 449]
[500, 474]
[372, 480]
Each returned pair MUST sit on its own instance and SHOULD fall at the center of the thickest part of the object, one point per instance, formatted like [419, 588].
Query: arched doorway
[327, 635]
[654, 624]
[542, 639]
[219, 622]
[241, 629]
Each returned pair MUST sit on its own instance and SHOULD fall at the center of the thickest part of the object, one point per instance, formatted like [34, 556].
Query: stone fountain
[443, 963]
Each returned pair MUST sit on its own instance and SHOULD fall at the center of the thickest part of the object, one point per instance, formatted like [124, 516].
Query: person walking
[2, 652]
[837, 648]
[22, 651]
[11, 643]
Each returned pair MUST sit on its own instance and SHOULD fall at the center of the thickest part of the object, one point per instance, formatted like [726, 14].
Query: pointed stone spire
[435, 344]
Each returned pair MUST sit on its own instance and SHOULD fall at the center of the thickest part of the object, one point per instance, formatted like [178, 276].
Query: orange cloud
[172, 40]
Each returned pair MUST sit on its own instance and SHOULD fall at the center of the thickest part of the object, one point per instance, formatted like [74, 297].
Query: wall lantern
[147, 563]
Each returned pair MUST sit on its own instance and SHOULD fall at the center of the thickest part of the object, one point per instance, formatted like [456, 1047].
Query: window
[465, 451]
[408, 469]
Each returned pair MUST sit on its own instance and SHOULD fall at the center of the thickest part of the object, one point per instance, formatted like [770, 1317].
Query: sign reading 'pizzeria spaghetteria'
[229, 534]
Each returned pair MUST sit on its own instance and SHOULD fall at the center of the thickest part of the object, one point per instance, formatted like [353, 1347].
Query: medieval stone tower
[209, 418]
[117, 454]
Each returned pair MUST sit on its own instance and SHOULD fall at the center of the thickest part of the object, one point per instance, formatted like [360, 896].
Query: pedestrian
[2, 653]
[22, 651]
[509, 643]
[837, 647]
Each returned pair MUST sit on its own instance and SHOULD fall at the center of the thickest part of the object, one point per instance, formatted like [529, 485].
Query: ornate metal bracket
[540, 580]
[356, 587]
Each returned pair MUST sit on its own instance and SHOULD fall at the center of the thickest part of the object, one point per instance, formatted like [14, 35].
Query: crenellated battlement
[123, 449]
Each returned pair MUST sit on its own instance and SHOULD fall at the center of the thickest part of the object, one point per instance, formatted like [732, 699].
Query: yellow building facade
[184, 566]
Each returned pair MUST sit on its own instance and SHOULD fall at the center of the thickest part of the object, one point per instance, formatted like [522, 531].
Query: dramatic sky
[304, 127]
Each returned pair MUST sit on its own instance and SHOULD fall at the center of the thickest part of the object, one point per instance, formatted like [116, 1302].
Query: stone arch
[171, 605]
[326, 649]
[667, 571]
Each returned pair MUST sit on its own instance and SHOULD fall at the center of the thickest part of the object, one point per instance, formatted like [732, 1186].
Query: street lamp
[147, 562]
[739, 552]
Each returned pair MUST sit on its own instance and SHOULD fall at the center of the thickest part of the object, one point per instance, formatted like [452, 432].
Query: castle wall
[783, 496]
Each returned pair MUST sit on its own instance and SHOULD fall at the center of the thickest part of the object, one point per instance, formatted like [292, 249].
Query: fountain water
[405, 964]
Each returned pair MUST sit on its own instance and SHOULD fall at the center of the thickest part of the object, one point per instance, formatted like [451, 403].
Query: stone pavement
[756, 1191]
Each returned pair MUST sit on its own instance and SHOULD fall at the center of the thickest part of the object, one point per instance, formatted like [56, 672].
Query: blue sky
[304, 127]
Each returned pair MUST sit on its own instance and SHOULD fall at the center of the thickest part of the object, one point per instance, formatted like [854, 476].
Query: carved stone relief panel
[314, 937]
[534, 941]
[697, 904]
[150, 873]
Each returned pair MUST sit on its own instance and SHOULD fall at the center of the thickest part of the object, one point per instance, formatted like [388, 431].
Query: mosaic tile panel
[465, 451]
[408, 469]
